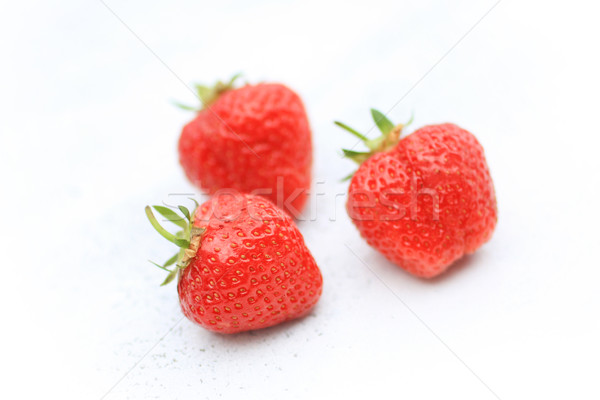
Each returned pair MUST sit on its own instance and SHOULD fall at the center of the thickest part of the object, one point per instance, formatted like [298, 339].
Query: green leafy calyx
[209, 94]
[188, 239]
[390, 136]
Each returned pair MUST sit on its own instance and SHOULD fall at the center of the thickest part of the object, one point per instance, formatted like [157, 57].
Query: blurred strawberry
[254, 139]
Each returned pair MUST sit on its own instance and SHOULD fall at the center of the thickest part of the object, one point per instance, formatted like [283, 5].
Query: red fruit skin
[253, 269]
[250, 139]
[426, 202]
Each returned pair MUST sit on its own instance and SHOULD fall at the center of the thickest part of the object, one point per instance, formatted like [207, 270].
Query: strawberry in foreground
[242, 264]
[253, 138]
[424, 200]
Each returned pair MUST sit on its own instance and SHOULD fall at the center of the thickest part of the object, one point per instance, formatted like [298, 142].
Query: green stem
[351, 130]
[163, 232]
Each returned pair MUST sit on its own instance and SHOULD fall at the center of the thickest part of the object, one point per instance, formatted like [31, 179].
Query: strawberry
[424, 200]
[242, 264]
[254, 139]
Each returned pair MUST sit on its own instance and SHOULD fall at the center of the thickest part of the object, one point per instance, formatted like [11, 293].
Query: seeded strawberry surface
[252, 269]
[256, 137]
[427, 201]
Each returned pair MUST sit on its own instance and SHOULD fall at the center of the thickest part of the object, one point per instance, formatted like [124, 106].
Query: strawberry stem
[171, 260]
[172, 274]
[382, 122]
[171, 216]
[352, 131]
[185, 212]
[188, 240]
[209, 94]
[164, 233]
[159, 266]
[356, 156]
[390, 136]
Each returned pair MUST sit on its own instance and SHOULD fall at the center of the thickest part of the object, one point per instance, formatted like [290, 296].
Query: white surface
[87, 138]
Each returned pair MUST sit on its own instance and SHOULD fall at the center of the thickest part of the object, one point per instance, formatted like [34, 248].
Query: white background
[88, 137]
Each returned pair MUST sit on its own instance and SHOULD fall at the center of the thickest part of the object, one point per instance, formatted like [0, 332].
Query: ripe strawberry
[242, 264]
[424, 200]
[254, 138]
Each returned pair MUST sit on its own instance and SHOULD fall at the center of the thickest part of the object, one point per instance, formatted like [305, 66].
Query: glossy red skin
[441, 164]
[248, 139]
[253, 269]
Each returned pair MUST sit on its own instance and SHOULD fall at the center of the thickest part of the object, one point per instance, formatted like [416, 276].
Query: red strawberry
[255, 139]
[242, 264]
[424, 200]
